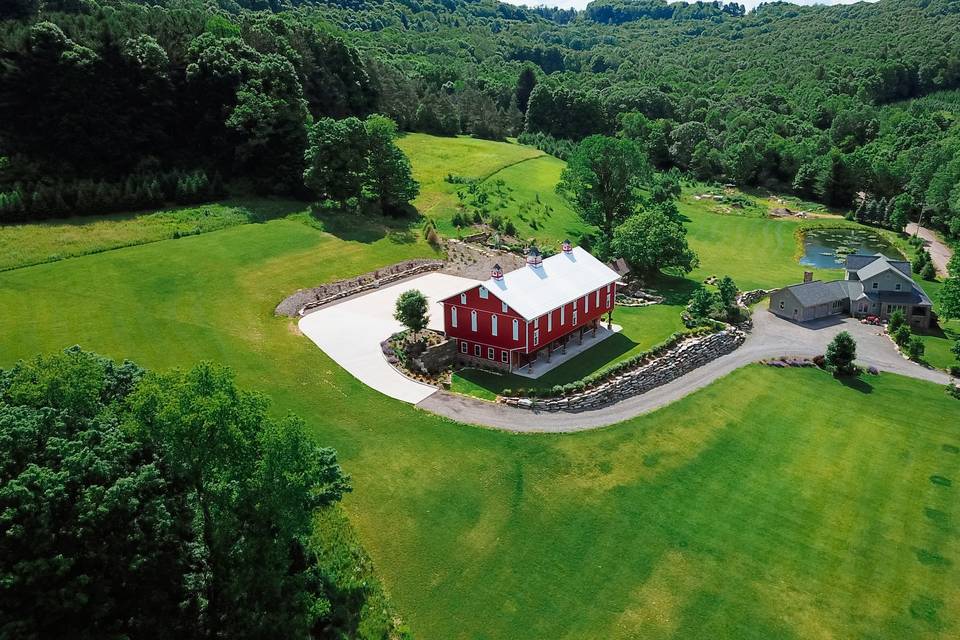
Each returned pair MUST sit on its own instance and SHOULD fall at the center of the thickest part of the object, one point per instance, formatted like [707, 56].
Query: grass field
[530, 178]
[773, 504]
[27, 244]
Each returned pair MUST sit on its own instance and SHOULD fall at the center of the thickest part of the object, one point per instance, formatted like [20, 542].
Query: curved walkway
[940, 253]
[771, 337]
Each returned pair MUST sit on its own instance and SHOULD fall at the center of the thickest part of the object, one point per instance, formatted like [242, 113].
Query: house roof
[868, 266]
[533, 291]
[813, 293]
[915, 296]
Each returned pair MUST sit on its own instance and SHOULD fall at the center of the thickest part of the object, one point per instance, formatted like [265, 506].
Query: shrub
[915, 348]
[928, 272]
[509, 228]
[902, 335]
[897, 320]
[954, 391]
[841, 352]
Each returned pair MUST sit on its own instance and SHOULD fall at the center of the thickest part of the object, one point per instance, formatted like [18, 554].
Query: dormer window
[483, 293]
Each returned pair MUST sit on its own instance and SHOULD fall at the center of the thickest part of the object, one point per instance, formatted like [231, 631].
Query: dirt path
[771, 337]
[939, 252]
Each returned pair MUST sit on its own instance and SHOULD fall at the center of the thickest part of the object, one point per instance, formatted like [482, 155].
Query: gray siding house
[873, 286]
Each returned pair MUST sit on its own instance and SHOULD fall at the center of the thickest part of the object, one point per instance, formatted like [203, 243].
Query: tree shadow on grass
[856, 383]
[675, 290]
[367, 227]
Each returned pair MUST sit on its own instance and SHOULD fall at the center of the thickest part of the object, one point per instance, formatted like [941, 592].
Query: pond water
[828, 248]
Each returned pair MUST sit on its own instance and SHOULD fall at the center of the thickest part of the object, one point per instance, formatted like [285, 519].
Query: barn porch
[558, 355]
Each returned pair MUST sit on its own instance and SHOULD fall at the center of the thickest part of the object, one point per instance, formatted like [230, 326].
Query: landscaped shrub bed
[604, 375]
[401, 348]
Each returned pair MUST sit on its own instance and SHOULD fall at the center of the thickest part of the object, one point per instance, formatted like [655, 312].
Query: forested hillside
[110, 103]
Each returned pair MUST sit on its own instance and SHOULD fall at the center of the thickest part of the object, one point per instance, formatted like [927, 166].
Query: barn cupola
[567, 247]
[497, 272]
[534, 259]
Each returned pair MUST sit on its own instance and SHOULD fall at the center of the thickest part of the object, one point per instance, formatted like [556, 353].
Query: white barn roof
[533, 291]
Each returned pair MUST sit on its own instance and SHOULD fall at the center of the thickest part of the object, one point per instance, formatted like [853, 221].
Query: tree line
[153, 505]
[826, 102]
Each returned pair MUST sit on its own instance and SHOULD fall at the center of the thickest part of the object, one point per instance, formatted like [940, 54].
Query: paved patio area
[350, 332]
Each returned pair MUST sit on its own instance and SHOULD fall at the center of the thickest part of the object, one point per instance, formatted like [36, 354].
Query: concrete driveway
[350, 332]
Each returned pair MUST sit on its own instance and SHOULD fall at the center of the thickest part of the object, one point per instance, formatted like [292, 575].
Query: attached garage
[811, 300]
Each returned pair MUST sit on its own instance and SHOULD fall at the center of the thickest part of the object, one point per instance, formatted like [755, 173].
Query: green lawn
[773, 504]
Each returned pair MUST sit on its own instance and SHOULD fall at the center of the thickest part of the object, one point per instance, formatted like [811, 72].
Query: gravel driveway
[350, 332]
[771, 337]
[939, 252]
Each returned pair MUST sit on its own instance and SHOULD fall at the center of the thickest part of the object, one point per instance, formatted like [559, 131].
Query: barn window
[493, 324]
[491, 353]
[608, 300]
[476, 350]
[536, 336]
[453, 317]
[550, 321]
[596, 301]
[586, 303]
[536, 323]
[483, 292]
[516, 330]
[562, 314]
[503, 307]
[574, 316]
[463, 346]
[503, 357]
[473, 320]
[463, 298]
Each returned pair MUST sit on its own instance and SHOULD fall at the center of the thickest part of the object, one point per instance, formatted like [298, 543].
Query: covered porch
[551, 356]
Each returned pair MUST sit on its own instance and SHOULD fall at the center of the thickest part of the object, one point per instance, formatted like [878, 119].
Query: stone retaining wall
[673, 363]
[303, 301]
[748, 298]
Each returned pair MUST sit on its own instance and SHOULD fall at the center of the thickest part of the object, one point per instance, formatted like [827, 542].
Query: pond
[828, 248]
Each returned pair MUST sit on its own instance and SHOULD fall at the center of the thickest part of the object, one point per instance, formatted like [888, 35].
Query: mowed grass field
[773, 504]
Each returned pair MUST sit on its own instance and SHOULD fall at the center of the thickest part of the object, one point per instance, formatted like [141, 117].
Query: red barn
[512, 318]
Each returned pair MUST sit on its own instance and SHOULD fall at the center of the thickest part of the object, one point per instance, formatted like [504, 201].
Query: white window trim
[574, 317]
[562, 319]
[463, 346]
[477, 350]
[493, 324]
[608, 300]
[549, 321]
[586, 303]
[453, 317]
[516, 329]
[503, 307]
[536, 323]
[484, 293]
[491, 353]
[463, 298]
[536, 337]
[503, 356]
[596, 301]
[473, 321]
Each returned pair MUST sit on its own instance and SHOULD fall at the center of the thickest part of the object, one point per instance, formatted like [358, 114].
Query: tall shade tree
[525, 85]
[651, 241]
[336, 161]
[389, 176]
[601, 181]
[949, 306]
